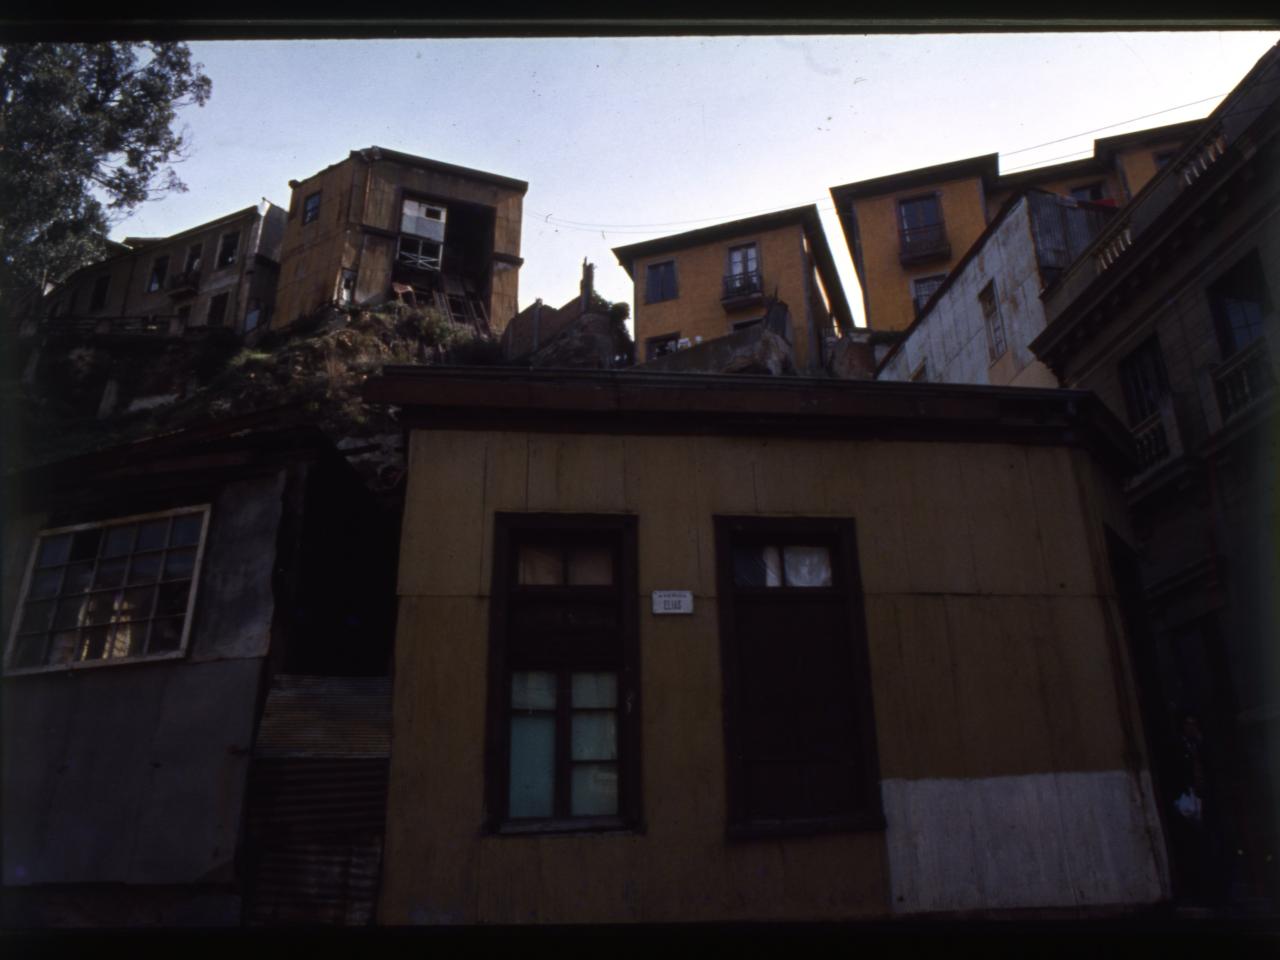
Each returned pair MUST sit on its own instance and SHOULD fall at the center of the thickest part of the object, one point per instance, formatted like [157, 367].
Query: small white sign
[673, 601]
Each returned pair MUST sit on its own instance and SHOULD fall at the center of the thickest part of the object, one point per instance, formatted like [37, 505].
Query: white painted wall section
[1040, 840]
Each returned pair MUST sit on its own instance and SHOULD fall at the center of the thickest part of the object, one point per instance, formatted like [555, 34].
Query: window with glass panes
[800, 738]
[564, 694]
[119, 590]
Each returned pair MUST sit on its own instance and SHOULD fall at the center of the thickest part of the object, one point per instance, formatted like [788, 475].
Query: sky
[624, 139]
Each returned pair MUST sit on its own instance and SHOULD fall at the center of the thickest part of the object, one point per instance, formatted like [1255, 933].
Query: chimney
[587, 285]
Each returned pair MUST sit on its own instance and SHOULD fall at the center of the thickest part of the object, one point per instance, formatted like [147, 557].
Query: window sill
[768, 829]
[92, 664]
[575, 826]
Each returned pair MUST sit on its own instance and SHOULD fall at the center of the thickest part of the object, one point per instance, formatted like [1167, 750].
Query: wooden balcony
[921, 244]
[1244, 380]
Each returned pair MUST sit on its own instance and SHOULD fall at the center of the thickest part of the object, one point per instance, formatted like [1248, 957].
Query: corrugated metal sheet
[326, 717]
[317, 883]
[317, 798]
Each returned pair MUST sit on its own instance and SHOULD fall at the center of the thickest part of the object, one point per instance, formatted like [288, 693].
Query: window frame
[159, 273]
[221, 260]
[993, 319]
[651, 345]
[918, 302]
[1145, 362]
[221, 319]
[99, 292]
[510, 529]
[1228, 289]
[649, 286]
[839, 534]
[204, 509]
[310, 210]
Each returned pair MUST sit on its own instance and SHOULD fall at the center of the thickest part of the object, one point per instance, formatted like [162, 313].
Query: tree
[86, 135]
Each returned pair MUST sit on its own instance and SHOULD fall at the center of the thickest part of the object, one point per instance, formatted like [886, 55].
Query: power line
[639, 228]
[1111, 126]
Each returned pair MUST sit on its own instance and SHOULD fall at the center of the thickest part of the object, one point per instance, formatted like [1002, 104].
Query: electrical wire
[641, 228]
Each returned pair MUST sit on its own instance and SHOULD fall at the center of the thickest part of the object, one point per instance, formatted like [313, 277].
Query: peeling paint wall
[951, 339]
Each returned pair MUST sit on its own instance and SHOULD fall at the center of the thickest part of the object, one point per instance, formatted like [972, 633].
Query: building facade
[382, 220]
[220, 274]
[978, 324]
[908, 230]
[712, 282]
[1170, 317]
[686, 649]
[164, 754]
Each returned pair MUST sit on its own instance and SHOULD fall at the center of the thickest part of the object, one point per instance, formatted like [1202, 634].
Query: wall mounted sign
[673, 601]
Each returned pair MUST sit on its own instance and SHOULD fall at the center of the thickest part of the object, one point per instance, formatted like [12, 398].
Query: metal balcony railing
[1244, 380]
[748, 283]
[923, 243]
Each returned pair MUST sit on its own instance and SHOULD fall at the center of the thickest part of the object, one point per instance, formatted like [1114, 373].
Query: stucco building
[221, 274]
[1170, 317]
[715, 281]
[678, 648]
[907, 231]
[379, 218]
[977, 326]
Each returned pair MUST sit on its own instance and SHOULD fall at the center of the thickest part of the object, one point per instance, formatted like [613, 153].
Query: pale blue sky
[625, 139]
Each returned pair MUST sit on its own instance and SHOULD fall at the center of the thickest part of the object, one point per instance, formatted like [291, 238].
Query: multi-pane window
[311, 208]
[1142, 375]
[992, 320]
[123, 589]
[227, 248]
[98, 298]
[1240, 302]
[159, 268]
[800, 737]
[921, 232]
[743, 276]
[660, 282]
[563, 703]
[421, 243]
[922, 288]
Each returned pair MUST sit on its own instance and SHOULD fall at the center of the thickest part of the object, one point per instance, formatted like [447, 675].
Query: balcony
[1157, 440]
[742, 289]
[920, 244]
[1244, 380]
[184, 284]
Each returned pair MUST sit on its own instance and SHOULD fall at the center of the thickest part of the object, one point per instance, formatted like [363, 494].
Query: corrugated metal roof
[321, 717]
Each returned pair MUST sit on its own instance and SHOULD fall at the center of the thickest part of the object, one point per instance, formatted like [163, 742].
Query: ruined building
[383, 221]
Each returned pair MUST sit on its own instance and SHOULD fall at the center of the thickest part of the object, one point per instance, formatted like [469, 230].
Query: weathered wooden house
[677, 648]
[194, 694]
[447, 235]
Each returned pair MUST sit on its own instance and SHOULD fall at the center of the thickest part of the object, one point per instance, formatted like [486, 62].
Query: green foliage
[86, 135]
